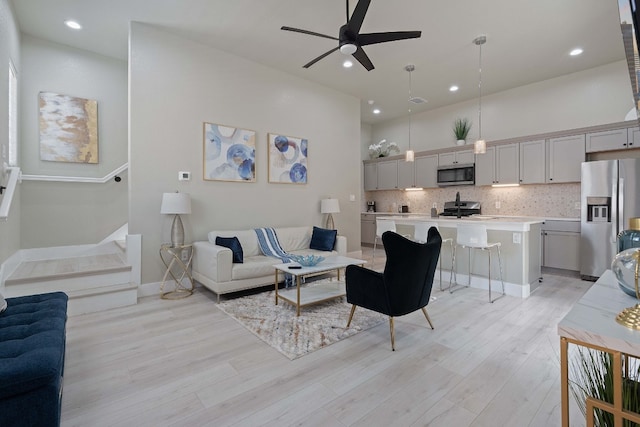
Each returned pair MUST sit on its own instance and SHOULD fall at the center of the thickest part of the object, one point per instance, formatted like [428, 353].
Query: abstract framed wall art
[229, 153]
[287, 159]
[68, 128]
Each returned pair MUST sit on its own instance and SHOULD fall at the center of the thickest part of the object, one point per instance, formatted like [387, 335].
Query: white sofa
[213, 267]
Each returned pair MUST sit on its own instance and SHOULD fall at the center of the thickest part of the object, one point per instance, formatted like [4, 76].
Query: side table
[178, 267]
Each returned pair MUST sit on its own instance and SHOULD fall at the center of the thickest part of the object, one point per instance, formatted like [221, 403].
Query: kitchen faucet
[458, 215]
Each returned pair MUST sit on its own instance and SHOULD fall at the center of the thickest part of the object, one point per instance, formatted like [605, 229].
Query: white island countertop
[506, 223]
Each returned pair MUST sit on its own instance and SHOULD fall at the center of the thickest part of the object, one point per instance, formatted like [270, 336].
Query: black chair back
[409, 270]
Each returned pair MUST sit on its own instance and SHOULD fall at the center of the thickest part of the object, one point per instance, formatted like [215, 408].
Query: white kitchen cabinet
[564, 158]
[370, 176]
[388, 175]
[633, 137]
[499, 165]
[561, 244]
[367, 228]
[608, 140]
[406, 174]
[486, 167]
[532, 162]
[426, 171]
[456, 157]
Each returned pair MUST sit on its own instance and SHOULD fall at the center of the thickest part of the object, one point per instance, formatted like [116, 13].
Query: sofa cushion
[247, 238]
[255, 266]
[323, 239]
[294, 238]
[232, 243]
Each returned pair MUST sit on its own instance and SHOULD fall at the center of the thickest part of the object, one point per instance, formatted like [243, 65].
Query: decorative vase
[630, 238]
[461, 142]
[626, 267]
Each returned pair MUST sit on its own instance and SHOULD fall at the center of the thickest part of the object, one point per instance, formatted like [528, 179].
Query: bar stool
[420, 232]
[382, 225]
[472, 236]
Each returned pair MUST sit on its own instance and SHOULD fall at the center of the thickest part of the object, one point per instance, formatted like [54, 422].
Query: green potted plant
[461, 128]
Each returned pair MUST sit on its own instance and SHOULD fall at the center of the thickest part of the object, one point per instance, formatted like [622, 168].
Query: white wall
[175, 86]
[9, 50]
[53, 213]
[592, 97]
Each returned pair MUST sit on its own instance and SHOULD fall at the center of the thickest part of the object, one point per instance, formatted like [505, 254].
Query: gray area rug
[318, 326]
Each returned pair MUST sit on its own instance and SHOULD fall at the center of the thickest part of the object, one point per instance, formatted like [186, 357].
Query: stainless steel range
[463, 208]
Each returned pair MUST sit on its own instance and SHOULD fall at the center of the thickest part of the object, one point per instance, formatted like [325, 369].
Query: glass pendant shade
[480, 146]
[409, 156]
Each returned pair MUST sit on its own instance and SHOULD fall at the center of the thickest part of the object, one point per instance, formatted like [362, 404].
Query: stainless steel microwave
[456, 175]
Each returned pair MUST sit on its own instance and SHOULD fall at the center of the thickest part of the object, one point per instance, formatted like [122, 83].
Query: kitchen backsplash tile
[553, 200]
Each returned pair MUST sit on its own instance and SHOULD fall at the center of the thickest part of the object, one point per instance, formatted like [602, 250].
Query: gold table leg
[276, 282]
[564, 382]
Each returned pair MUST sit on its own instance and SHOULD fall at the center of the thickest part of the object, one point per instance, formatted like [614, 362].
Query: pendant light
[409, 155]
[480, 146]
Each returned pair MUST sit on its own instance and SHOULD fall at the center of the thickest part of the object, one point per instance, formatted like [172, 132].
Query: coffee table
[301, 296]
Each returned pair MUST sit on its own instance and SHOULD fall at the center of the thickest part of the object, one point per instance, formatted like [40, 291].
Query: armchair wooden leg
[393, 335]
[353, 310]
[424, 310]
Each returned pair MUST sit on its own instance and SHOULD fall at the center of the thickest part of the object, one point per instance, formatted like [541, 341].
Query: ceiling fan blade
[363, 59]
[309, 64]
[311, 33]
[374, 38]
[357, 17]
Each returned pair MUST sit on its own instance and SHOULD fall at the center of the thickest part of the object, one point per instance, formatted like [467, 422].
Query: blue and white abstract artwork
[287, 159]
[229, 153]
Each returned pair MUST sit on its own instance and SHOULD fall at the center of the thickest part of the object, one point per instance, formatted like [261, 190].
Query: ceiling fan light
[348, 48]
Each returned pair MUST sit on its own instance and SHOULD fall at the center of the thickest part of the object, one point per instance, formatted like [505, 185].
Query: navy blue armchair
[405, 284]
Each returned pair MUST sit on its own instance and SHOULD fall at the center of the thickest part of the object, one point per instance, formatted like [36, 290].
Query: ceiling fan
[350, 41]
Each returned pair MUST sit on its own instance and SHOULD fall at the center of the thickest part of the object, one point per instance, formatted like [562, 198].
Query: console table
[592, 323]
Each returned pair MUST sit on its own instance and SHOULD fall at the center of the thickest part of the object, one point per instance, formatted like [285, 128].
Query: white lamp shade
[329, 206]
[175, 203]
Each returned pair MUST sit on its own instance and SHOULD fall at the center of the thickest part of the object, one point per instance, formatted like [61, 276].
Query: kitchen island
[520, 249]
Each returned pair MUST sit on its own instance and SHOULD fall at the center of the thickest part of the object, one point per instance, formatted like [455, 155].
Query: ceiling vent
[417, 100]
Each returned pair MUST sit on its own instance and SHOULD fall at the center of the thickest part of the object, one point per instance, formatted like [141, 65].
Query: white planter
[461, 142]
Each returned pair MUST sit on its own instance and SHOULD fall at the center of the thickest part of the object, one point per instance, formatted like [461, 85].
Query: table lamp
[176, 204]
[329, 207]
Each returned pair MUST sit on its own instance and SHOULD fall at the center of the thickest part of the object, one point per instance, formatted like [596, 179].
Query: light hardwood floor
[185, 363]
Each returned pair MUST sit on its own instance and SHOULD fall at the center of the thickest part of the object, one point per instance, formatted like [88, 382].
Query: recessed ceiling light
[347, 64]
[575, 52]
[72, 24]
[370, 102]
[453, 88]
[376, 111]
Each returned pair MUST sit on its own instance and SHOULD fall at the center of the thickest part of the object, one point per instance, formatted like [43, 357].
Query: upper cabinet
[499, 165]
[388, 175]
[426, 171]
[456, 157]
[370, 176]
[532, 162]
[618, 139]
[564, 158]
[406, 177]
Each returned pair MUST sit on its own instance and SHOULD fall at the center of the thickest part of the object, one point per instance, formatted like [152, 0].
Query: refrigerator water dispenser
[598, 209]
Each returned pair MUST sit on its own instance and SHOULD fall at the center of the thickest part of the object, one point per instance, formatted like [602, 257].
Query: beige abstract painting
[68, 128]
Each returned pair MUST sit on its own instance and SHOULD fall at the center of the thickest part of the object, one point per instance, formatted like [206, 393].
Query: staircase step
[29, 272]
[102, 298]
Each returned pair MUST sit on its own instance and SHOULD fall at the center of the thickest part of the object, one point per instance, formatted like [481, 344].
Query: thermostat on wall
[184, 176]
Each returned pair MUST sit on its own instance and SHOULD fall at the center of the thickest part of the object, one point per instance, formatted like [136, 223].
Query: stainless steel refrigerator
[609, 197]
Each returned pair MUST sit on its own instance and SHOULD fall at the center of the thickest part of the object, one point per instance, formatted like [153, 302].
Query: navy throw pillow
[234, 244]
[323, 239]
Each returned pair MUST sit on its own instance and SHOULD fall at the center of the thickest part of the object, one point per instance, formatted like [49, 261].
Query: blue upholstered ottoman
[32, 345]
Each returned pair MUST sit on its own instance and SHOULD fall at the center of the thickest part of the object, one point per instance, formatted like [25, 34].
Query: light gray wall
[9, 50]
[592, 97]
[175, 86]
[54, 213]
